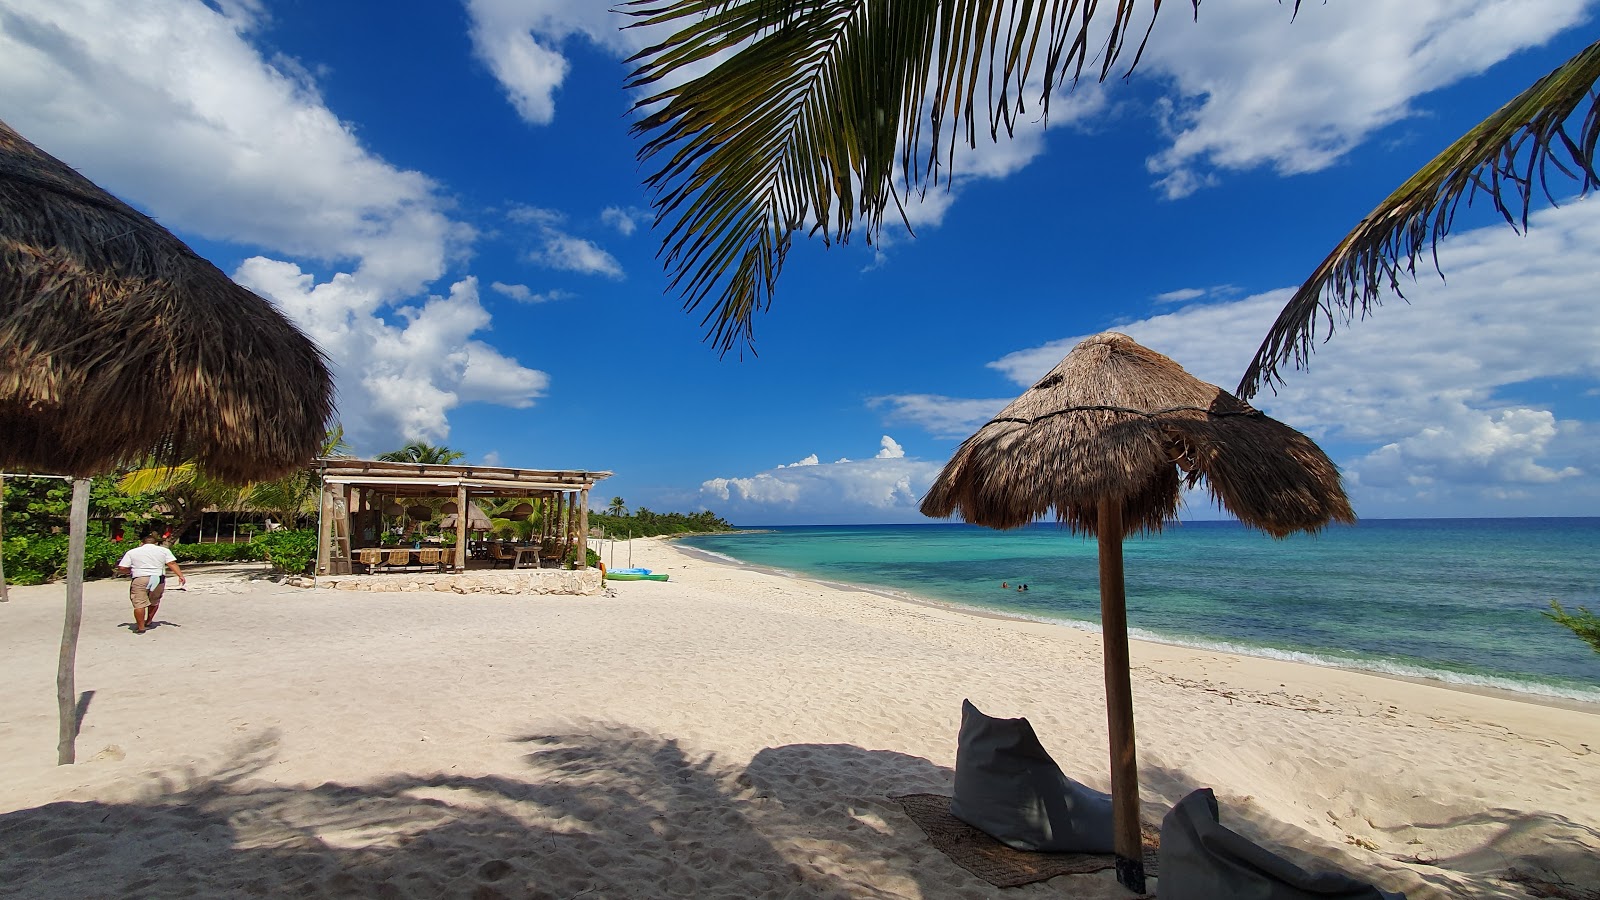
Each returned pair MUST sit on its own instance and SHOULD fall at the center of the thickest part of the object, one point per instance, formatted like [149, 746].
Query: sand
[729, 733]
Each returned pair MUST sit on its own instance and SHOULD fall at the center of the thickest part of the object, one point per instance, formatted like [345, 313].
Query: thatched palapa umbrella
[1107, 440]
[118, 342]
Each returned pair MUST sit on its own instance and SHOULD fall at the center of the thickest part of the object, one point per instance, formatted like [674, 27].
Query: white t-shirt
[146, 560]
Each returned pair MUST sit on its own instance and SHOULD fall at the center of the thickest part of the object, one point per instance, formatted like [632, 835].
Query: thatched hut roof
[1116, 420]
[118, 342]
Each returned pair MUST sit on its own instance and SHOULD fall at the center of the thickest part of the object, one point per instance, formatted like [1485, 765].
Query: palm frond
[1507, 157]
[813, 110]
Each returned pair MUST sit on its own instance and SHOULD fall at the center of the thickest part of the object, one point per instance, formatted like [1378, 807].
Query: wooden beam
[583, 529]
[323, 520]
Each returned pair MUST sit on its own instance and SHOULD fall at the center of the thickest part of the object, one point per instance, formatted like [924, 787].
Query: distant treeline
[644, 522]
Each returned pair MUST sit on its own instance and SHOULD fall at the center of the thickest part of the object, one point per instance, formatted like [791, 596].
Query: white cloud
[942, 417]
[520, 41]
[166, 103]
[886, 488]
[1255, 89]
[397, 382]
[625, 221]
[492, 458]
[575, 254]
[560, 250]
[524, 294]
[1428, 394]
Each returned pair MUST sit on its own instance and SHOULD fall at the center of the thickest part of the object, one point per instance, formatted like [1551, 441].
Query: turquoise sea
[1452, 599]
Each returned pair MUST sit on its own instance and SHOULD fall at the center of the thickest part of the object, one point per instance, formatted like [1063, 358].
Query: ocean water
[1457, 600]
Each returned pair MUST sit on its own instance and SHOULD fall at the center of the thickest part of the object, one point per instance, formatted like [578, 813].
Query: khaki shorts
[141, 595]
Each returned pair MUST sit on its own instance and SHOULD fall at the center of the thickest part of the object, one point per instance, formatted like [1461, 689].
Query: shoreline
[1573, 704]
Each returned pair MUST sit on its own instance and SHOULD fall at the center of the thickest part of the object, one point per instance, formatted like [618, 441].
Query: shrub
[291, 552]
[36, 559]
[211, 553]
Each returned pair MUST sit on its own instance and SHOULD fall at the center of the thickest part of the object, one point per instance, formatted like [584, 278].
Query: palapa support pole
[1126, 839]
[4, 596]
[66, 667]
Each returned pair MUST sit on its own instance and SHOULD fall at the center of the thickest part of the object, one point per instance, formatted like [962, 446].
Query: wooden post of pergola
[583, 528]
[324, 519]
[461, 528]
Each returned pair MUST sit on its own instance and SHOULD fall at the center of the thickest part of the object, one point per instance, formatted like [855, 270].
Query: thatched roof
[118, 342]
[1116, 420]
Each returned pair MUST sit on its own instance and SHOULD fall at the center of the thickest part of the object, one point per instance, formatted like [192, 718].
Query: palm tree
[808, 115]
[288, 497]
[186, 489]
[617, 507]
[423, 452]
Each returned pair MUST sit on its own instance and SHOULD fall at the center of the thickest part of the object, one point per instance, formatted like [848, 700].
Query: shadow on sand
[600, 812]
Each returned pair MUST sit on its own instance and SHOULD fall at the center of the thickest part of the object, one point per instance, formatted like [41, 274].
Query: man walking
[148, 563]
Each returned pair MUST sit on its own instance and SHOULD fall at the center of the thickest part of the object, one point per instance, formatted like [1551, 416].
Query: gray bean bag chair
[1008, 787]
[1202, 860]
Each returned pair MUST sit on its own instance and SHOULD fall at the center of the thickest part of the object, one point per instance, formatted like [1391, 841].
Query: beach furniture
[502, 553]
[397, 556]
[1201, 859]
[370, 558]
[430, 557]
[1007, 786]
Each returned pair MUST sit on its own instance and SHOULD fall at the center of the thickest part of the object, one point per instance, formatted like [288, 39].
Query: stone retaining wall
[528, 581]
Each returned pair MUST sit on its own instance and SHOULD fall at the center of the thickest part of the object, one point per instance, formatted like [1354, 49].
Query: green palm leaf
[1507, 157]
[813, 111]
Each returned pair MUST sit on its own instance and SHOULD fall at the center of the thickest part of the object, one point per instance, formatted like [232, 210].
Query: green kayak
[634, 575]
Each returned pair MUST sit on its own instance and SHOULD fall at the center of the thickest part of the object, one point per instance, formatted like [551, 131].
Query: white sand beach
[728, 733]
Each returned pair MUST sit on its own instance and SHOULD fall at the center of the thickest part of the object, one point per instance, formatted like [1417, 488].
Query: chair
[502, 553]
[431, 556]
[370, 558]
[398, 556]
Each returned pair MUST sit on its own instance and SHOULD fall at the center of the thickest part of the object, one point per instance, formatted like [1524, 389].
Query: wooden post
[1126, 839]
[66, 667]
[583, 529]
[461, 528]
[4, 596]
[323, 522]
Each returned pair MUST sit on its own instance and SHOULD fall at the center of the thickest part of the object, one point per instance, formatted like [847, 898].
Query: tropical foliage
[422, 452]
[1583, 623]
[768, 117]
[646, 523]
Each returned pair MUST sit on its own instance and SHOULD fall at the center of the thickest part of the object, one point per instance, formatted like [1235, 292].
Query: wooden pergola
[350, 487]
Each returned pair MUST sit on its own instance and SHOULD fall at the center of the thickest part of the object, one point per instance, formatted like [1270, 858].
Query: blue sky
[445, 196]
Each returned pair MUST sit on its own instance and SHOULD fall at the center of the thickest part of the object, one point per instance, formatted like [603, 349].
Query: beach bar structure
[353, 488]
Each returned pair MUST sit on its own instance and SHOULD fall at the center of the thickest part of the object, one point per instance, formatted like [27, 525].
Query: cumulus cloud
[521, 43]
[167, 104]
[1422, 400]
[403, 379]
[1253, 88]
[886, 488]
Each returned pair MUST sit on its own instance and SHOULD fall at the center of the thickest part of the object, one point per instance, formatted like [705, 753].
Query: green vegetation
[421, 452]
[291, 552]
[1583, 623]
[645, 522]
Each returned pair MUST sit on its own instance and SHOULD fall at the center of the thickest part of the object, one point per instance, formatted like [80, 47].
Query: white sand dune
[729, 733]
